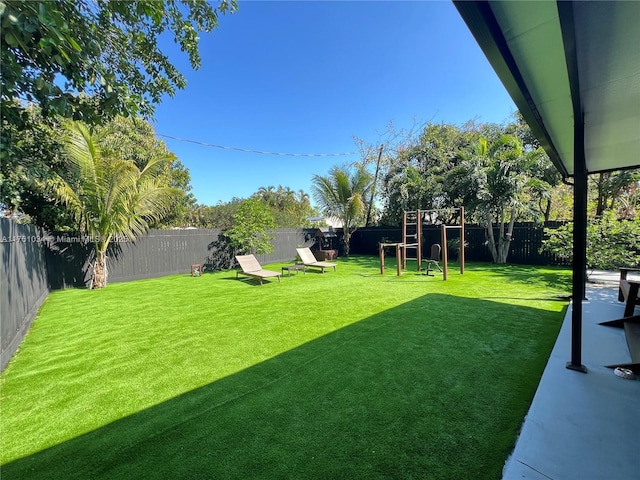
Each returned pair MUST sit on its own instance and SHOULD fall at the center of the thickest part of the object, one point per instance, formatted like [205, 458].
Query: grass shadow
[416, 391]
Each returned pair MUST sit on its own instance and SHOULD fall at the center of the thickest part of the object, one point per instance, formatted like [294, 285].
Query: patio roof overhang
[573, 71]
[558, 57]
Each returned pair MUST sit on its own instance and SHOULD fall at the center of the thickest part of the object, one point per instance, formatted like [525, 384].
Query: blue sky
[306, 77]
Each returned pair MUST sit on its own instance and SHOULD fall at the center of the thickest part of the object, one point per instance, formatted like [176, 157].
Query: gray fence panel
[68, 261]
[159, 253]
[285, 242]
[23, 283]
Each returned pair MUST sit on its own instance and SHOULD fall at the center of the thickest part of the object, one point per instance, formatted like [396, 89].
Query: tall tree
[109, 195]
[490, 180]
[213, 216]
[342, 194]
[267, 195]
[611, 189]
[415, 179]
[544, 177]
[379, 158]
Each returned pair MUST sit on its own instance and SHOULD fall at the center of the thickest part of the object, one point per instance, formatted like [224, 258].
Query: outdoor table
[296, 268]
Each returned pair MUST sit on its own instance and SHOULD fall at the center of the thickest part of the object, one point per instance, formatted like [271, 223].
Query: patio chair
[309, 260]
[628, 292]
[252, 268]
[434, 258]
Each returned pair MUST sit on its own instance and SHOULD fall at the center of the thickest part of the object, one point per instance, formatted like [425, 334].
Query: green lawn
[341, 375]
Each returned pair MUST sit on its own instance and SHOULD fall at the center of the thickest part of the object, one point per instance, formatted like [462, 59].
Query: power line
[245, 150]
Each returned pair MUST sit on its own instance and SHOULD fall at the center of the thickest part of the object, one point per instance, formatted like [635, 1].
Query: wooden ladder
[412, 237]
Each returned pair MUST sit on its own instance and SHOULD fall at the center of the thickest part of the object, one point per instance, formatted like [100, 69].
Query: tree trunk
[99, 275]
[373, 187]
[346, 237]
[492, 240]
[602, 195]
[547, 212]
[504, 242]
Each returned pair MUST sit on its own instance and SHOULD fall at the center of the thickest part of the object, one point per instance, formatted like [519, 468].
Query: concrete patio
[583, 426]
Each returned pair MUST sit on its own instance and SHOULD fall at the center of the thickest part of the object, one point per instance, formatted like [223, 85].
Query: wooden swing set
[412, 223]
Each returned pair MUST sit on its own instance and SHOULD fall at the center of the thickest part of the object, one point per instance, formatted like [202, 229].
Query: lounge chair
[251, 267]
[308, 260]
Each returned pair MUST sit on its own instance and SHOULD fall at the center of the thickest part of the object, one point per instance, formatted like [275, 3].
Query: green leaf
[30, 26]
[74, 44]
[10, 39]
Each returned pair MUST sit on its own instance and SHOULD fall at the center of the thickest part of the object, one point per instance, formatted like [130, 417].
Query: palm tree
[342, 194]
[302, 197]
[490, 182]
[110, 196]
[267, 195]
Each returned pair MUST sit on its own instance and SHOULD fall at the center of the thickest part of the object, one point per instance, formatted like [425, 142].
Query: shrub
[251, 223]
[611, 242]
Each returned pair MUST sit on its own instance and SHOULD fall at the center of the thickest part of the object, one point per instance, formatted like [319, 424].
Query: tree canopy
[342, 194]
[108, 50]
[94, 61]
[290, 208]
[499, 173]
[251, 225]
[27, 178]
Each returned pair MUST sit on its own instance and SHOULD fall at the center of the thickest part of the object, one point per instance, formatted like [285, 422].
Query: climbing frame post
[461, 240]
[445, 260]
